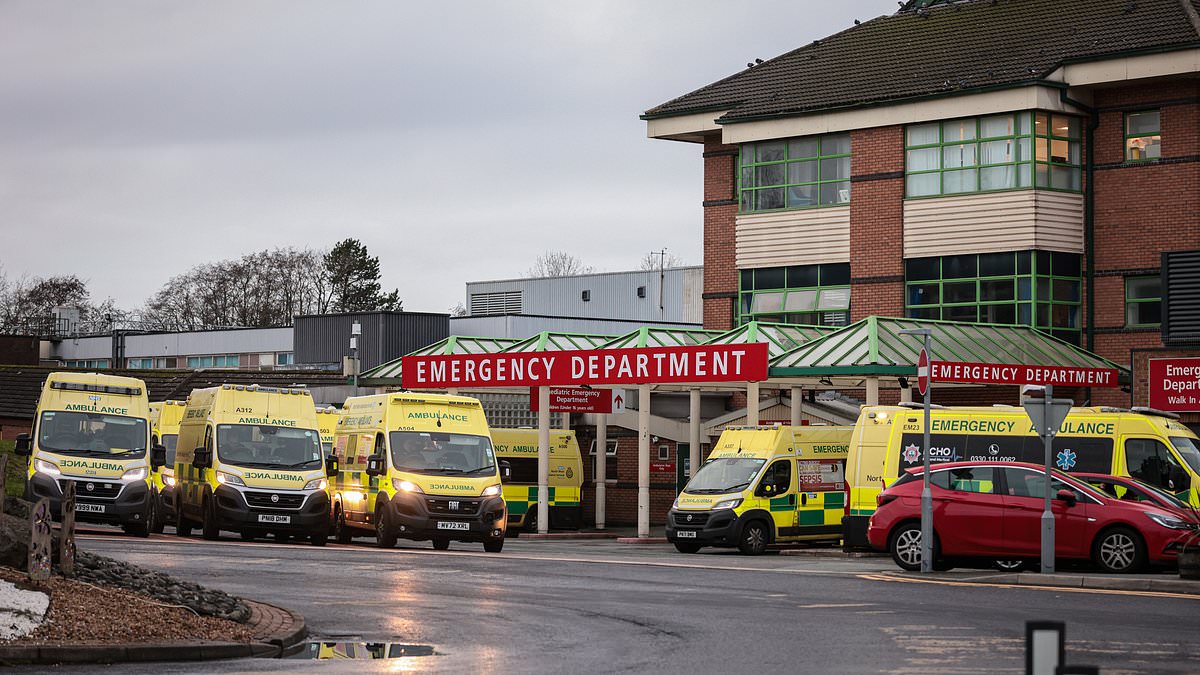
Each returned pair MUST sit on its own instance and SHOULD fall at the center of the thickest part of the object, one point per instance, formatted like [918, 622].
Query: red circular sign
[923, 372]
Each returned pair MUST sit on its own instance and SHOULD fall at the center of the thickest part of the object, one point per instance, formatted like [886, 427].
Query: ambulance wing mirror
[202, 459]
[375, 465]
[331, 466]
[505, 471]
[158, 456]
[24, 445]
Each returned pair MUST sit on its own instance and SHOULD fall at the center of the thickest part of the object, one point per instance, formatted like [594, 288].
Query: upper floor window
[1143, 139]
[997, 152]
[804, 294]
[1143, 301]
[87, 363]
[218, 361]
[140, 363]
[795, 173]
[285, 358]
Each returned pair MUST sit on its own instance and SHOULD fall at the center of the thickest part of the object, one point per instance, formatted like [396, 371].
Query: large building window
[795, 173]
[140, 363]
[87, 363]
[997, 152]
[805, 294]
[218, 361]
[1032, 288]
[1143, 137]
[1143, 301]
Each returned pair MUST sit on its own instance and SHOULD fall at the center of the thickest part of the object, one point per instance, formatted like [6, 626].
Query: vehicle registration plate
[272, 518]
[442, 525]
[685, 534]
[89, 508]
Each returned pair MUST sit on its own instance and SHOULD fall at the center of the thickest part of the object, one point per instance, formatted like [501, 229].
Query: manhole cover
[322, 650]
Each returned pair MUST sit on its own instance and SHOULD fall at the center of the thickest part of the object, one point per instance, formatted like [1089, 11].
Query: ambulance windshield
[92, 434]
[262, 446]
[1189, 450]
[442, 454]
[727, 474]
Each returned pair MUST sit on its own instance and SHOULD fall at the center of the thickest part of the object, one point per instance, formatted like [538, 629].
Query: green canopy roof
[874, 346]
[552, 341]
[780, 337]
[389, 373]
[662, 337]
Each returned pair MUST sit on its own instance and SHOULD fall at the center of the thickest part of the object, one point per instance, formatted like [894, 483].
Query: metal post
[872, 391]
[1047, 513]
[926, 493]
[601, 467]
[751, 404]
[797, 406]
[543, 464]
[693, 432]
[643, 460]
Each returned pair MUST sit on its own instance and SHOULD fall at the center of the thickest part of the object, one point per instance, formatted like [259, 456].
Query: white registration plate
[272, 518]
[685, 534]
[89, 508]
[442, 525]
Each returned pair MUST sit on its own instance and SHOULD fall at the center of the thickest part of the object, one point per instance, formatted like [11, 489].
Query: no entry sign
[994, 373]
[1175, 384]
[923, 371]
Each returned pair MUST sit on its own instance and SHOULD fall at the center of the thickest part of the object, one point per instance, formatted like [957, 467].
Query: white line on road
[838, 606]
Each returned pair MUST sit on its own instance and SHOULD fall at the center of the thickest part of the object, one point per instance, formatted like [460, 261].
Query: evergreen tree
[352, 275]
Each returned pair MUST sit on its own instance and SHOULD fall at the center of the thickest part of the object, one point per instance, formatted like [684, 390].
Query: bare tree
[656, 260]
[458, 310]
[558, 264]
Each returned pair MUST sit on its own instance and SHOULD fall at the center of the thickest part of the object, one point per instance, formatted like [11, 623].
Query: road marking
[1063, 589]
[838, 606]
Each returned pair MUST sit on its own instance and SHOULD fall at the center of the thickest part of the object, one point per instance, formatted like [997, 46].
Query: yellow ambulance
[327, 419]
[417, 466]
[519, 447]
[94, 430]
[1146, 444]
[249, 460]
[764, 485]
[164, 430]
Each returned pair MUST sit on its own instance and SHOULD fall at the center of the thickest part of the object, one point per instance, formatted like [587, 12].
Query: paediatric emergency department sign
[993, 373]
[1175, 384]
[579, 400]
[639, 365]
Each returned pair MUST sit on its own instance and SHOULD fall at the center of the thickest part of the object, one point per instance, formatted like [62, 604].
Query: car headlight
[406, 486]
[134, 474]
[490, 491]
[727, 504]
[42, 466]
[169, 481]
[316, 484]
[228, 479]
[1169, 522]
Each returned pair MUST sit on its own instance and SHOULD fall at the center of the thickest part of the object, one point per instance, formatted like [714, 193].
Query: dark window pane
[1006, 313]
[996, 289]
[769, 277]
[747, 280]
[1066, 291]
[1144, 313]
[1142, 288]
[747, 300]
[958, 291]
[1043, 315]
[925, 313]
[923, 294]
[771, 152]
[996, 264]
[1023, 262]
[1064, 264]
[837, 168]
[802, 147]
[968, 313]
[747, 177]
[835, 144]
[920, 269]
[1043, 262]
[835, 193]
[959, 266]
[802, 276]
[835, 274]
[1071, 336]
[1025, 288]
[747, 200]
[771, 198]
[1025, 314]
[1065, 316]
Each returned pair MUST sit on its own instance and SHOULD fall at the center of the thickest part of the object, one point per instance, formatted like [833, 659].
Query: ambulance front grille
[90, 489]
[461, 507]
[282, 500]
[690, 518]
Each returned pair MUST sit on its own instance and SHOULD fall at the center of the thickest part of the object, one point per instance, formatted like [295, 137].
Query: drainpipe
[1089, 213]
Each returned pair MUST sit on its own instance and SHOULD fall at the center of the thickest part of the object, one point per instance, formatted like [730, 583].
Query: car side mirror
[158, 457]
[375, 465]
[202, 459]
[331, 466]
[24, 445]
[1066, 496]
[505, 471]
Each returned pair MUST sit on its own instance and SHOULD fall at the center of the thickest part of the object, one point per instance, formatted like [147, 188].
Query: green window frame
[803, 294]
[1143, 301]
[143, 363]
[794, 173]
[1143, 136]
[1033, 288]
[993, 153]
[88, 363]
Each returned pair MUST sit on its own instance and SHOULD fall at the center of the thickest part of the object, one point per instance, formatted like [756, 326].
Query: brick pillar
[720, 212]
[877, 222]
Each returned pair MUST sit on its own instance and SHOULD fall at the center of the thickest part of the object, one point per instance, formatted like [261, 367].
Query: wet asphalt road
[598, 607]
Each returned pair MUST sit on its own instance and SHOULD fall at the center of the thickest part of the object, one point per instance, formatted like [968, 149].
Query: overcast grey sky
[458, 140]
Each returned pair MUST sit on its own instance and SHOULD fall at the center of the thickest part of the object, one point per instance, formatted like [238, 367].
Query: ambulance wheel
[385, 537]
[319, 536]
[209, 528]
[754, 538]
[441, 543]
[494, 546]
[282, 537]
[247, 535]
[157, 520]
[686, 547]
[138, 529]
[341, 533]
[183, 527]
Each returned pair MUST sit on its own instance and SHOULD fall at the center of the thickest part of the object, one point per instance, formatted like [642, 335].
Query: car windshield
[1163, 495]
[727, 474]
[442, 454]
[268, 447]
[92, 434]
[168, 442]
[1189, 450]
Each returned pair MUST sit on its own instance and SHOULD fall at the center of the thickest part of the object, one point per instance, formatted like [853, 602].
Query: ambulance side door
[367, 446]
[343, 449]
[781, 500]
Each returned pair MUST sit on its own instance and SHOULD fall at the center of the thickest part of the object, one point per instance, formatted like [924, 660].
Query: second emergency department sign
[650, 365]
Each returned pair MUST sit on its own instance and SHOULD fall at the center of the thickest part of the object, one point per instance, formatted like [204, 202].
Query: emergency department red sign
[992, 373]
[649, 365]
[1175, 384]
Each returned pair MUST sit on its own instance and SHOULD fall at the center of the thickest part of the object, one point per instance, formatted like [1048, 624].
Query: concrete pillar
[543, 493]
[752, 404]
[872, 391]
[693, 432]
[906, 394]
[797, 406]
[453, 391]
[643, 460]
[566, 421]
[601, 467]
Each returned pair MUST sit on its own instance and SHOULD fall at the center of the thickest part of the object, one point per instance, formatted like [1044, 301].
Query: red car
[993, 510]
[1134, 490]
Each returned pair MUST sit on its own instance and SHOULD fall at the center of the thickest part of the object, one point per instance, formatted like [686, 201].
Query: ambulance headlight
[42, 466]
[134, 474]
[727, 504]
[406, 486]
[169, 481]
[675, 504]
[316, 484]
[491, 491]
[228, 479]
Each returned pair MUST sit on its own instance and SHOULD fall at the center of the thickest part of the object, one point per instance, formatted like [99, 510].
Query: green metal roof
[662, 337]
[389, 373]
[874, 346]
[780, 337]
[552, 341]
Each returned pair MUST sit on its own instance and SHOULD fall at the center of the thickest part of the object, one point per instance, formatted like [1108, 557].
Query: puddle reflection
[332, 650]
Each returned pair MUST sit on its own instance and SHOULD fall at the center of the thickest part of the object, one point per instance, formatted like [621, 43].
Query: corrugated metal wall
[192, 343]
[385, 336]
[520, 326]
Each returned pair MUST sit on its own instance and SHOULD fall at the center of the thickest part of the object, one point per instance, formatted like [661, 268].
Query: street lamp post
[355, 332]
[926, 493]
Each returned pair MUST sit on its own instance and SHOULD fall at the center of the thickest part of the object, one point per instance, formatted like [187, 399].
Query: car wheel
[1119, 550]
[247, 535]
[282, 537]
[139, 529]
[1009, 565]
[754, 538]
[341, 533]
[385, 537]
[494, 546]
[441, 543]
[209, 529]
[686, 548]
[905, 546]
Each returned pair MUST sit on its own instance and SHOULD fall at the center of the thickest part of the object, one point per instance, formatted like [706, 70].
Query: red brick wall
[11, 426]
[621, 498]
[720, 212]
[877, 222]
